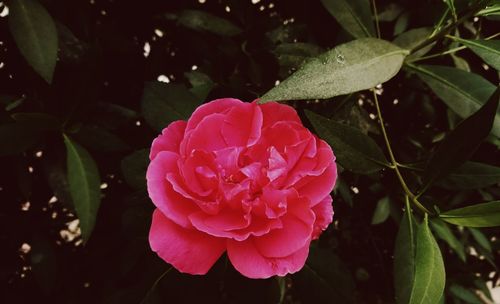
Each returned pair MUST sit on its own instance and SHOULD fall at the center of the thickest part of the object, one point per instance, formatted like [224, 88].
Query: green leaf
[480, 238]
[401, 23]
[354, 150]
[460, 63]
[444, 232]
[429, 281]
[323, 278]
[84, 185]
[480, 215]
[35, 35]
[205, 22]
[471, 175]
[464, 294]
[134, 168]
[462, 142]
[488, 50]
[463, 92]
[99, 139]
[18, 137]
[292, 55]
[382, 211]
[354, 16]
[410, 39]
[404, 257]
[354, 66]
[201, 84]
[164, 103]
[112, 116]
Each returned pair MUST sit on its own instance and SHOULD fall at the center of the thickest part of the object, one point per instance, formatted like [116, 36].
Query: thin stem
[375, 13]
[472, 11]
[450, 51]
[393, 159]
[440, 22]
[153, 287]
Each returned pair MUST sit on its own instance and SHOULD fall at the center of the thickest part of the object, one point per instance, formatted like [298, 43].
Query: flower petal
[169, 140]
[242, 125]
[317, 187]
[324, 216]
[251, 263]
[161, 192]
[215, 106]
[206, 136]
[189, 251]
[274, 112]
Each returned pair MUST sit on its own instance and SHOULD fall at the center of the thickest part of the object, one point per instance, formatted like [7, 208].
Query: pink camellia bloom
[245, 178]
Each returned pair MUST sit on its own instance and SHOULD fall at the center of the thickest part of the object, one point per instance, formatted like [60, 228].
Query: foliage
[405, 92]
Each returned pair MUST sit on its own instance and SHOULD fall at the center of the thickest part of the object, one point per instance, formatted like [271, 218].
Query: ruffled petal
[169, 140]
[215, 106]
[247, 259]
[242, 125]
[207, 135]
[274, 112]
[317, 187]
[188, 250]
[324, 216]
[175, 206]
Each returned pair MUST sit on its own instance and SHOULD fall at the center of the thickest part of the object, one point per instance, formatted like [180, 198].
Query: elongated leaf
[429, 281]
[382, 211]
[480, 238]
[464, 294]
[444, 232]
[96, 138]
[201, 84]
[84, 185]
[463, 92]
[462, 142]
[404, 257]
[163, 103]
[323, 278]
[488, 50]
[134, 168]
[354, 16]
[354, 150]
[205, 22]
[471, 175]
[480, 215]
[410, 39]
[35, 35]
[357, 65]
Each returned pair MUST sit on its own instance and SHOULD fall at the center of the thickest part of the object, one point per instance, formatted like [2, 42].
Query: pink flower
[244, 178]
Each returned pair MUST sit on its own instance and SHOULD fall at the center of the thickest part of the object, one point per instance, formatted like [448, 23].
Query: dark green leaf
[460, 63]
[471, 175]
[479, 215]
[463, 92]
[464, 294]
[205, 22]
[323, 278]
[461, 143]
[99, 139]
[164, 103]
[17, 138]
[354, 16]
[390, 12]
[488, 50]
[382, 211]
[354, 150]
[134, 168]
[35, 35]
[480, 238]
[84, 185]
[404, 257]
[429, 281]
[292, 55]
[201, 84]
[410, 39]
[444, 232]
[401, 23]
[113, 116]
[354, 66]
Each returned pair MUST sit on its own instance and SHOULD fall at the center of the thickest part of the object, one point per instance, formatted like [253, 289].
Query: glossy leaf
[429, 281]
[479, 215]
[463, 92]
[471, 175]
[323, 278]
[444, 232]
[354, 66]
[354, 16]
[462, 142]
[35, 35]
[134, 168]
[84, 185]
[205, 22]
[164, 103]
[404, 257]
[382, 211]
[354, 150]
[488, 50]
